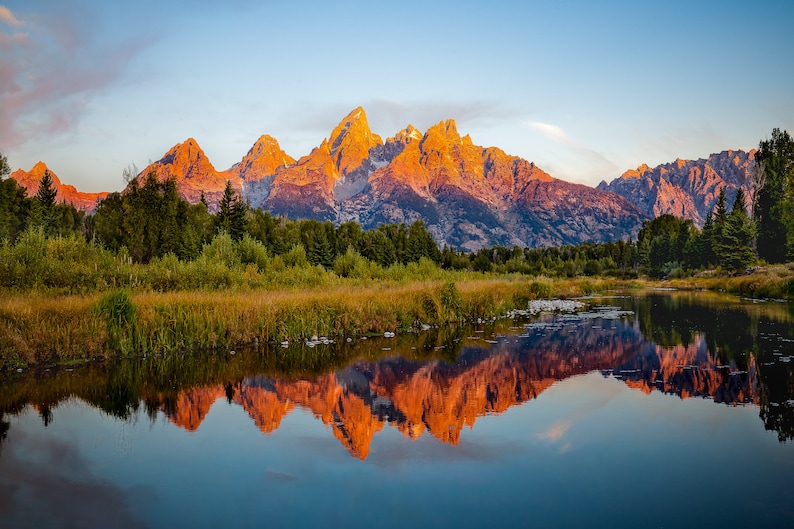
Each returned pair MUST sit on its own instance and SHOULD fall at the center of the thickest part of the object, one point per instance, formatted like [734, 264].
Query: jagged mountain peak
[263, 159]
[407, 135]
[187, 160]
[685, 188]
[351, 141]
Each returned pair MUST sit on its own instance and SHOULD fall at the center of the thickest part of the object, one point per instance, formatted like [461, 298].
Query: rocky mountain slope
[66, 193]
[469, 196]
[685, 188]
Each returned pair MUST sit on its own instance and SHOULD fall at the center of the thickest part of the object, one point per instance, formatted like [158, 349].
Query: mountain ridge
[469, 196]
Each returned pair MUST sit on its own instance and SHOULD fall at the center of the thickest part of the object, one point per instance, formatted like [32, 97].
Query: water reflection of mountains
[440, 398]
[673, 345]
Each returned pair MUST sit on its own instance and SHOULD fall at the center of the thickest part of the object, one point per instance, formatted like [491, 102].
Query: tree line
[149, 220]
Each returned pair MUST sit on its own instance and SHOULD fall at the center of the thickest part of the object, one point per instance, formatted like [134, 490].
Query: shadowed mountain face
[469, 196]
[686, 188]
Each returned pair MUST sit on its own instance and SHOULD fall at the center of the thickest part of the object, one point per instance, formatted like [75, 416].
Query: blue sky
[584, 89]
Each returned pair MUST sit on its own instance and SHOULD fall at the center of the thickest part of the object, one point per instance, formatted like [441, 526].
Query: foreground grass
[37, 328]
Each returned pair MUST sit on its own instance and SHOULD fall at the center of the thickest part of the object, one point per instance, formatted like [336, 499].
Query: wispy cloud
[597, 164]
[52, 71]
[8, 17]
[553, 132]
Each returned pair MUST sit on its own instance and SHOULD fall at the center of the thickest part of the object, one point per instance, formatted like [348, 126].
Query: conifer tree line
[149, 220]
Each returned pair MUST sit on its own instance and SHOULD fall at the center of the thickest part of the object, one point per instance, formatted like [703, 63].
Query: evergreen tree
[737, 250]
[5, 169]
[232, 213]
[14, 209]
[14, 204]
[719, 244]
[705, 248]
[320, 250]
[774, 207]
[43, 212]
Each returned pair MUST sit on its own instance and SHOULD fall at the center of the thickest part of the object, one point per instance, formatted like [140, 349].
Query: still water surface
[658, 410]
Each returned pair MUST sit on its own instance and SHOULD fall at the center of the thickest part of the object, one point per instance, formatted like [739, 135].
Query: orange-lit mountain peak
[66, 193]
[188, 160]
[263, 159]
[635, 173]
[407, 135]
[351, 141]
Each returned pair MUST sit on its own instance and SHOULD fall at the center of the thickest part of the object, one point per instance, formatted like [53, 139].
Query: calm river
[639, 410]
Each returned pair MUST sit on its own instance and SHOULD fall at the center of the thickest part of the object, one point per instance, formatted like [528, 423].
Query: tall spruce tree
[43, 211]
[774, 207]
[737, 237]
[232, 212]
[718, 243]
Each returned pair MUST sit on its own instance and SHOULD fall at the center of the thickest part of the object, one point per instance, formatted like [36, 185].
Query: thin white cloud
[553, 132]
[556, 431]
[8, 17]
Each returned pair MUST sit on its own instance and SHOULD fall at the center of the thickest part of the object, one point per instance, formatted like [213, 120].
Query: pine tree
[43, 211]
[737, 237]
[320, 251]
[5, 169]
[232, 213]
[718, 242]
[774, 207]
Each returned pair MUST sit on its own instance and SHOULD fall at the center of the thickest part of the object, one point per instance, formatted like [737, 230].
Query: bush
[253, 252]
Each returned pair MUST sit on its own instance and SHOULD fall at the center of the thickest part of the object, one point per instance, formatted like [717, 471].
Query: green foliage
[663, 244]
[451, 300]
[735, 251]
[231, 216]
[14, 207]
[253, 252]
[119, 313]
[5, 169]
[346, 265]
[43, 211]
[774, 205]
[151, 221]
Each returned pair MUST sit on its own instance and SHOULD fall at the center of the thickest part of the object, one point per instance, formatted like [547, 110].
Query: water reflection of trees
[758, 337]
[441, 381]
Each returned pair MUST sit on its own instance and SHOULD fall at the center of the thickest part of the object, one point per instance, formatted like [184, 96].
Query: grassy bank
[770, 282]
[37, 328]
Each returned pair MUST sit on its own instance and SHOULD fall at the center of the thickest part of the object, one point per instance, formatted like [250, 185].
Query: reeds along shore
[36, 328]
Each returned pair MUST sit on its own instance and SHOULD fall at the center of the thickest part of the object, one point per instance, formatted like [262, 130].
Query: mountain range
[469, 196]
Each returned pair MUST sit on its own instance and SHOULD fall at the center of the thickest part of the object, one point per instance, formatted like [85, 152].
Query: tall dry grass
[38, 328]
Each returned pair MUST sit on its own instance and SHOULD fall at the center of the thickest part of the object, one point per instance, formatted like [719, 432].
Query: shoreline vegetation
[39, 328]
[147, 272]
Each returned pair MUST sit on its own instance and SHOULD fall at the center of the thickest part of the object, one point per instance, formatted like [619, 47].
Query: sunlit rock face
[68, 194]
[468, 196]
[192, 172]
[686, 188]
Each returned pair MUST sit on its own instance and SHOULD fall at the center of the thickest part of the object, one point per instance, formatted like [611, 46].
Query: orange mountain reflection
[441, 398]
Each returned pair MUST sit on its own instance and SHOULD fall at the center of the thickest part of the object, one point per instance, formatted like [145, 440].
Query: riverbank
[41, 328]
[762, 282]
